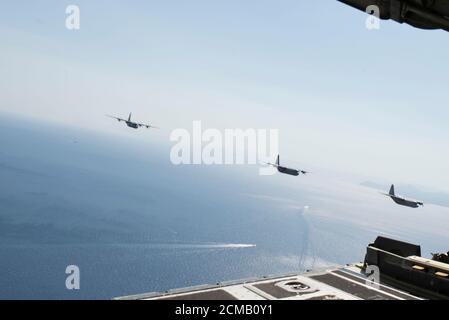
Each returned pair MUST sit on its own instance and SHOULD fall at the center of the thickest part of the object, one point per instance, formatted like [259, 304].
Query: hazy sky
[346, 99]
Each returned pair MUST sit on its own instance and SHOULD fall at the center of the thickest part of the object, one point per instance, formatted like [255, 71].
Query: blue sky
[368, 103]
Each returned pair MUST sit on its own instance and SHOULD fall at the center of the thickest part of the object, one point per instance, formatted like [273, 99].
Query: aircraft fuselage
[404, 202]
[288, 171]
[132, 125]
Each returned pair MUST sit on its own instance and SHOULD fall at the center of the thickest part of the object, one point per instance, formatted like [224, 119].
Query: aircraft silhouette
[402, 201]
[285, 170]
[132, 124]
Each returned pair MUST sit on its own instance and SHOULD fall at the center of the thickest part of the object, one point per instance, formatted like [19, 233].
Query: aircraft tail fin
[277, 160]
[392, 190]
[129, 118]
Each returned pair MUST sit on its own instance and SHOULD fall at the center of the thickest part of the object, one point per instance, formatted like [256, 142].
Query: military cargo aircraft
[402, 201]
[132, 124]
[285, 170]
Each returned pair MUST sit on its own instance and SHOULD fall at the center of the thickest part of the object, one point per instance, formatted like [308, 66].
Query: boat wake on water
[201, 245]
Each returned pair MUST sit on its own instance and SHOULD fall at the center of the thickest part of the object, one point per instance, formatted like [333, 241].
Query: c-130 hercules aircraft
[402, 201]
[132, 124]
[285, 170]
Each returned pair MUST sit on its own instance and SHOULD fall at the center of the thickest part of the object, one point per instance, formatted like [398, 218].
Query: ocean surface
[133, 222]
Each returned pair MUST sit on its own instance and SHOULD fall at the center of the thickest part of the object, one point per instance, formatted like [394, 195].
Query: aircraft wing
[148, 126]
[420, 14]
[394, 196]
[388, 195]
[270, 164]
[119, 119]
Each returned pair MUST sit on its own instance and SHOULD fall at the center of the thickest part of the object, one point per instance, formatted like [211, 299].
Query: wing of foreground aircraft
[423, 14]
[116, 118]
[148, 126]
